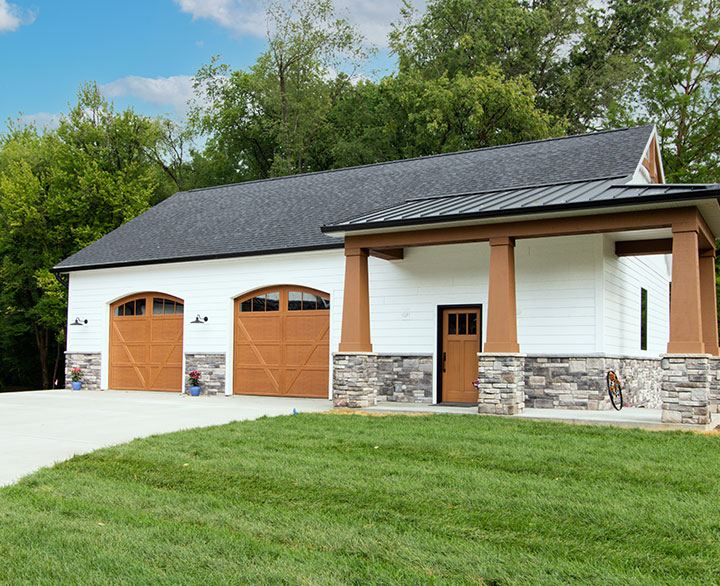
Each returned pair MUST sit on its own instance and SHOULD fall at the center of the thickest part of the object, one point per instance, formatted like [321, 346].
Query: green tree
[269, 120]
[680, 90]
[580, 59]
[60, 191]
[410, 116]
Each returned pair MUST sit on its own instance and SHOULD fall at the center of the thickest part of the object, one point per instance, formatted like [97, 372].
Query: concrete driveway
[40, 428]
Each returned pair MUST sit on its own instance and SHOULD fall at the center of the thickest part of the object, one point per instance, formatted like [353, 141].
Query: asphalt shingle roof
[287, 213]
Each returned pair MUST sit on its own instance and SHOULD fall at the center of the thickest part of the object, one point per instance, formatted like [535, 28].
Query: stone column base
[502, 384]
[686, 388]
[355, 379]
[212, 372]
[89, 363]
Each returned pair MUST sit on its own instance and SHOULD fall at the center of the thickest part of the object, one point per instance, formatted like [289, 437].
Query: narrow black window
[643, 319]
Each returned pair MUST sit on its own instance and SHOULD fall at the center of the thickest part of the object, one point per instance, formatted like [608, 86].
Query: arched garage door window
[282, 342]
[146, 341]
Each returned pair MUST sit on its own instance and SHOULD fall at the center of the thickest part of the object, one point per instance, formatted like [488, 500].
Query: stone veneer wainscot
[89, 363]
[212, 372]
[405, 378]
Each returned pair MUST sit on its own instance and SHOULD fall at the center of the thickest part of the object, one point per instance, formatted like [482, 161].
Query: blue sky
[140, 52]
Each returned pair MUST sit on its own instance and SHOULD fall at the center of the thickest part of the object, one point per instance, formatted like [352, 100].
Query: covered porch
[680, 218]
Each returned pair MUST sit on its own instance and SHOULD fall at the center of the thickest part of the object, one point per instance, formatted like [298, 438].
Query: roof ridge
[395, 161]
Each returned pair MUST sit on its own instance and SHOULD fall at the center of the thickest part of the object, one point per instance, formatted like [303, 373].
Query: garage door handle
[444, 359]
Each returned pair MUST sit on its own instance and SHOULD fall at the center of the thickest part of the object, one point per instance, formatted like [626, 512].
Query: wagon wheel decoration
[614, 390]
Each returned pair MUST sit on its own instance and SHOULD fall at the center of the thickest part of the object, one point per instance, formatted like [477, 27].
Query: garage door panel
[129, 377]
[166, 330]
[131, 330]
[307, 354]
[165, 354]
[146, 349]
[310, 383]
[284, 351]
[304, 328]
[258, 381]
[267, 329]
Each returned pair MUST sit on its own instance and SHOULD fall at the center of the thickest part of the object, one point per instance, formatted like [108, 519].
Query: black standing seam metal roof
[286, 214]
[525, 200]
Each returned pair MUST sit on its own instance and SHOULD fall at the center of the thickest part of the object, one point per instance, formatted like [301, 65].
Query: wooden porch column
[502, 311]
[355, 336]
[686, 332]
[708, 302]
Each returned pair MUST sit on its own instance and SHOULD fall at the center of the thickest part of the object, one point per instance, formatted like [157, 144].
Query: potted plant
[76, 378]
[194, 379]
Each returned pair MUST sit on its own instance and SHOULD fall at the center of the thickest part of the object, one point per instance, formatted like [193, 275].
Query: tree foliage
[60, 191]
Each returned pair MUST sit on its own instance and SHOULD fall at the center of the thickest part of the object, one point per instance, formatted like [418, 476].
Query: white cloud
[371, 17]
[12, 16]
[41, 119]
[172, 91]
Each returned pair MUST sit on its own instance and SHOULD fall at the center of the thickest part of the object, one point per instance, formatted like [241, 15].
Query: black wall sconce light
[79, 322]
[199, 320]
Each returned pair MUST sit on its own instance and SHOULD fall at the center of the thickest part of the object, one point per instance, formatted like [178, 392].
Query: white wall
[207, 287]
[623, 279]
[573, 296]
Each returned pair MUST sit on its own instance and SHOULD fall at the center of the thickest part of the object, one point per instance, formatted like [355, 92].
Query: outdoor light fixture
[198, 319]
[79, 322]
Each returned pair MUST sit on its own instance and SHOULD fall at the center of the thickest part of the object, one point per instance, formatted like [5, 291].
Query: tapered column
[355, 335]
[708, 302]
[502, 312]
[686, 335]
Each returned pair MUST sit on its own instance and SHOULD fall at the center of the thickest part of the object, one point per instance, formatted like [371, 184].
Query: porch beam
[686, 331]
[387, 253]
[355, 335]
[567, 226]
[643, 247]
[501, 335]
[708, 301]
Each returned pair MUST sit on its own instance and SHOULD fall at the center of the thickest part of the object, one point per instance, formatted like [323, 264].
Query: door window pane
[258, 303]
[294, 300]
[169, 307]
[452, 324]
[462, 324]
[472, 324]
[179, 308]
[120, 310]
[246, 305]
[309, 301]
[130, 308]
[139, 307]
[323, 303]
[157, 306]
[273, 301]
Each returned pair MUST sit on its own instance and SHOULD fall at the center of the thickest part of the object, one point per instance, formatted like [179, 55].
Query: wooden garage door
[282, 342]
[146, 339]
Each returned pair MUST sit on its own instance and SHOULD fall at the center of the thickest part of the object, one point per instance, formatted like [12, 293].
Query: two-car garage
[281, 342]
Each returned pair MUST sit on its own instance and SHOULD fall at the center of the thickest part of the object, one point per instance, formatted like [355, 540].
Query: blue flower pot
[76, 386]
[194, 391]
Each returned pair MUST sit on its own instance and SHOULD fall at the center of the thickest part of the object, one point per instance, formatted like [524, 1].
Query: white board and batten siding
[565, 305]
[208, 288]
[623, 280]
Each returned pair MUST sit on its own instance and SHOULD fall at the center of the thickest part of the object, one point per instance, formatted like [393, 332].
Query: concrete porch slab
[627, 417]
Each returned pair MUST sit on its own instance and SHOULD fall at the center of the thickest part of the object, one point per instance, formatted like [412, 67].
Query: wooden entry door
[282, 342]
[146, 343]
[461, 327]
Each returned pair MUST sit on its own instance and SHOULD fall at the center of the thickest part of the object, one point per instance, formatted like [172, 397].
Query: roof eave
[57, 269]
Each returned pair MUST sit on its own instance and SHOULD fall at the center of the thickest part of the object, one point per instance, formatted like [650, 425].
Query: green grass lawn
[349, 499]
